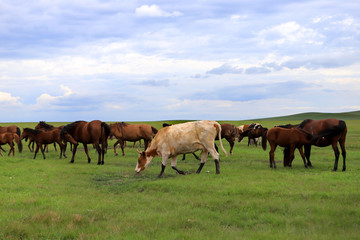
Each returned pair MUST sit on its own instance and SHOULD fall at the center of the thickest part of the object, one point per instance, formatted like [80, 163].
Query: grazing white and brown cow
[183, 138]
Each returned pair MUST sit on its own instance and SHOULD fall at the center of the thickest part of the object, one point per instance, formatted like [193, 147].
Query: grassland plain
[53, 199]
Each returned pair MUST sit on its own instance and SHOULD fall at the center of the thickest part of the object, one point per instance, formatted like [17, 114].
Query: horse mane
[303, 123]
[122, 124]
[287, 126]
[45, 125]
[32, 131]
[70, 126]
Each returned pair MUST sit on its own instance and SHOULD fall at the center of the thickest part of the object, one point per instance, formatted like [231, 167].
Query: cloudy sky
[122, 60]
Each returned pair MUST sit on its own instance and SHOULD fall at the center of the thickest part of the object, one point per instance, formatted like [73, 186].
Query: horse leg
[11, 144]
[55, 147]
[173, 165]
[122, 143]
[43, 150]
[117, 142]
[163, 165]
[292, 156]
[302, 156]
[74, 152]
[146, 143]
[307, 154]
[343, 152]
[337, 154]
[87, 152]
[97, 146]
[37, 149]
[272, 155]
[204, 155]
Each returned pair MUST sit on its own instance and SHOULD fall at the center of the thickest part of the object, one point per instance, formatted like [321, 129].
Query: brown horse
[291, 138]
[327, 132]
[8, 138]
[13, 129]
[254, 131]
[95, 132]
[43, 137]
[43, 126]
[131, 132]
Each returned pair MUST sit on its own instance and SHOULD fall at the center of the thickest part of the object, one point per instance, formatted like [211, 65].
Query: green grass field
[53, 199]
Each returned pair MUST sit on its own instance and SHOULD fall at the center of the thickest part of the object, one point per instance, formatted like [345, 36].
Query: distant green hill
[316, 115]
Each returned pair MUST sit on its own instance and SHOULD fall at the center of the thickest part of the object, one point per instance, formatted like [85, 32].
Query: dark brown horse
[253, 132]
[326, 132]
[43, 137]
[13, 129]
[95, 132]
[291, 138]
[43, 126]
[131, 132]
[8, 138]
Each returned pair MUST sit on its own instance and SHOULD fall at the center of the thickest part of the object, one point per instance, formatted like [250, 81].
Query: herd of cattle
[183, 138]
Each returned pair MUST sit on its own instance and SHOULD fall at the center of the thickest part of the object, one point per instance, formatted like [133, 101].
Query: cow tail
[219, 136]
[18, 133]
[264, 140]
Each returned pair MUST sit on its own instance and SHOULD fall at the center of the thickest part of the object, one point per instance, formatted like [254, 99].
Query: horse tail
[219, 136]
[105, 129]
[264, 140]
[17, 139]
[154, 130]
[18, 133]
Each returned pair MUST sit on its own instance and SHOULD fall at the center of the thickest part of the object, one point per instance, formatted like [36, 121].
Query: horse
[254, 132]
[230, 132]
[131, 132]
[43, 137]
[8, 138]
[327, 132]
[291, 138]
[43, 126]
[13, 129]
[95, 132]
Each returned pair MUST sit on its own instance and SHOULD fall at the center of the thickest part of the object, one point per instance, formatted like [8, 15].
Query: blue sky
[113, 60]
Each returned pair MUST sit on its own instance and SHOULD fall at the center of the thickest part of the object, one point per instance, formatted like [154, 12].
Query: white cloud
[290, 33]
[6, 100]
[154, 11]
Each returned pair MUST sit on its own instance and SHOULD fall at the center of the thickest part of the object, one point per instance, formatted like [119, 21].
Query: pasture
[54, 199]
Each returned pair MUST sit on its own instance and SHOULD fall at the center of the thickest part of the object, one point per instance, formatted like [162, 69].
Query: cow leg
[307, 154]
[231, 142]
[163, 164]
[337, 154]
[204, 155]
[216, 157]
[87, 152]
[173, 165]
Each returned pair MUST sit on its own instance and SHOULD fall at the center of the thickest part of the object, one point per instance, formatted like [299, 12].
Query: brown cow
[183, 138]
